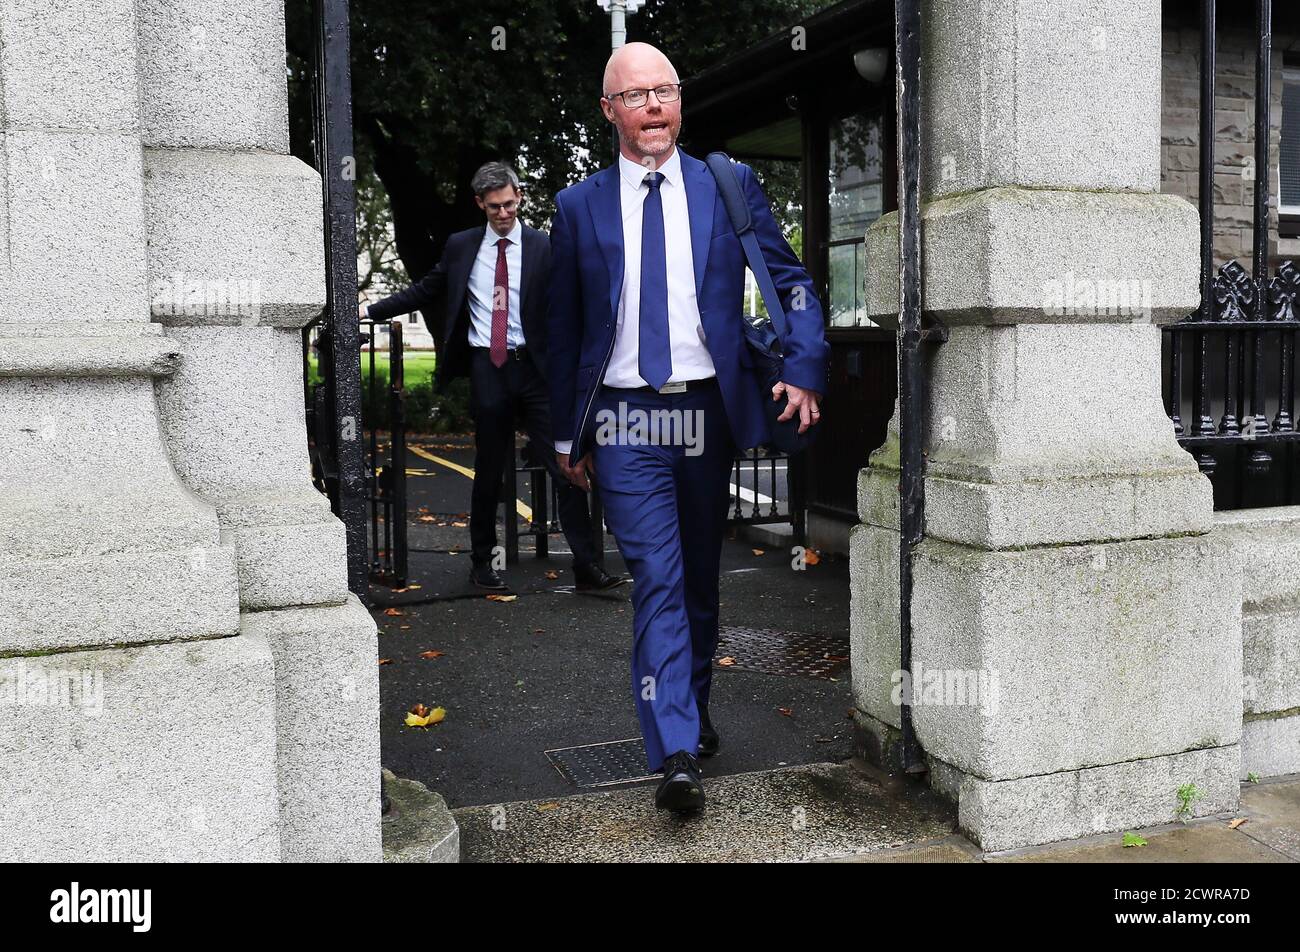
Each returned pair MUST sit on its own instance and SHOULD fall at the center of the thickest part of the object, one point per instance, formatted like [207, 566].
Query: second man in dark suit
[491, 285]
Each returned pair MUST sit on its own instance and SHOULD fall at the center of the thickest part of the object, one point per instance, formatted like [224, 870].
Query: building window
[856, 200]
[1289, 207]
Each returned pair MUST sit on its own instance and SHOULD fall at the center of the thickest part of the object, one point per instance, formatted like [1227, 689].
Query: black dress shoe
[708, 735]
[484, 576]
[592, 578]
[681, 790]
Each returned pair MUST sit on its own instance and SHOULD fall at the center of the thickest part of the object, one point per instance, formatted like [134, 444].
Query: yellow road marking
[524, 510]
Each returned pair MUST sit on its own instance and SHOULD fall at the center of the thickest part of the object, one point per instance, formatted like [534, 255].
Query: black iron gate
[383, 432]
[386, 459]
[335, 405]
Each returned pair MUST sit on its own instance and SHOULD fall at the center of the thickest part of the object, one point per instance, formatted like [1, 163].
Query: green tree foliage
[439, 88]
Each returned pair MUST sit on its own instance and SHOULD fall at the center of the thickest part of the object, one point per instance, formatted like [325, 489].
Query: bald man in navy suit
[645, 324]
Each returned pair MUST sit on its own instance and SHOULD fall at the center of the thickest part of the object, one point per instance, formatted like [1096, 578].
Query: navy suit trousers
[665, 488]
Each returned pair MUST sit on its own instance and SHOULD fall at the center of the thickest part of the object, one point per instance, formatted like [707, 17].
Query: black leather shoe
[681, 790]
[592, 578]
[708, 735]
[484, 576]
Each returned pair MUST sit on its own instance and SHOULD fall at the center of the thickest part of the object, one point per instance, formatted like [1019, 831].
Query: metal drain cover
[602, 765]
[769, 651]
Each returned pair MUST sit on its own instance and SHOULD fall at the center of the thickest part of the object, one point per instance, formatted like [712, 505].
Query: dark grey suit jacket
[442, 295]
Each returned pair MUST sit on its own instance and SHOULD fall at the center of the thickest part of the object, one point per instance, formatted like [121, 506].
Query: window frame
[1288, 216]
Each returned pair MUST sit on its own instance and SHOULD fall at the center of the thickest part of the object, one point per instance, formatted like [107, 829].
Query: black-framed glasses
[636, 98]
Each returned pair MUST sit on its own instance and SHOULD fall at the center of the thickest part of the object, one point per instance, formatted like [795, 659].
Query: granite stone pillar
[236, 269]
[1077, 631]
[183, 672]
[133, 720]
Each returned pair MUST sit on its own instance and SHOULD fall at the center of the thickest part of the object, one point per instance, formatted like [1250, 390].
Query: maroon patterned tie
[500, 307]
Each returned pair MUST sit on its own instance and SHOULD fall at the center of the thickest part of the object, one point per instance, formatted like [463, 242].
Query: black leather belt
[513, 353]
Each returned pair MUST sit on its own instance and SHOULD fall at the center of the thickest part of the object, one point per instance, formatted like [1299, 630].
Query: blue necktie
[654, 356]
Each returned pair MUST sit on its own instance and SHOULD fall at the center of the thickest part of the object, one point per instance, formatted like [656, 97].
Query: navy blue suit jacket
[587, 281]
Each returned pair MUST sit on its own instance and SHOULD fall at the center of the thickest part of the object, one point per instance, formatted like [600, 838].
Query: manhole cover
[769, 651]
[601, 765]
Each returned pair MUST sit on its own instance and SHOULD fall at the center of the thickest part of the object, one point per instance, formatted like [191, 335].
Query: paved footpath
[847, 812]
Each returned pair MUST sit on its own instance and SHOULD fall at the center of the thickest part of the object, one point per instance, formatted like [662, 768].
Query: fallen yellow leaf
[727, 661]
[1237, 822]
[393, 611]
[430, 654]
[810, 557]
[432, 717]
[385, 660]
[757, 551]
[501, 598]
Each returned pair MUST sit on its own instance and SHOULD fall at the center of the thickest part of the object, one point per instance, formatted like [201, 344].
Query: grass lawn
[417, 364]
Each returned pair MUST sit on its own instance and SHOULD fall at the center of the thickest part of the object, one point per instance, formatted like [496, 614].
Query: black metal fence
[386, 460]
[1240, 344]
[543, 521]
[384, 456]
[766, 489]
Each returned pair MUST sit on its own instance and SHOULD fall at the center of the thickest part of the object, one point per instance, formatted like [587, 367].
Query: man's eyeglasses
[502, 206]
[636, 98]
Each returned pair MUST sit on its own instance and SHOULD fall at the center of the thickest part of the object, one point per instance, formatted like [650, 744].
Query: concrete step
[790, 814]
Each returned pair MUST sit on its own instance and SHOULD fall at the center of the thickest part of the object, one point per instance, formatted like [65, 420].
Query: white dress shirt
[691, 360]
[482, 281]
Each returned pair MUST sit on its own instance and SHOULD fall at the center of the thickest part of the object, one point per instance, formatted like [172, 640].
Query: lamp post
[618, 10]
